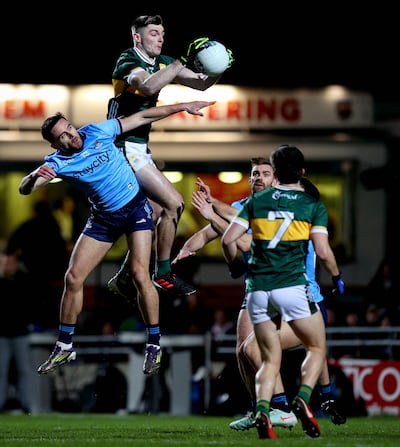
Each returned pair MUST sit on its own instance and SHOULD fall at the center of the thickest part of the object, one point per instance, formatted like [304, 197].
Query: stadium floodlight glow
[230, 176]
[173, 176]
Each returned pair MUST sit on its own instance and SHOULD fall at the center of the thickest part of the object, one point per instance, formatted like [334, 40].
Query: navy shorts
[324, 312]
[109, 227]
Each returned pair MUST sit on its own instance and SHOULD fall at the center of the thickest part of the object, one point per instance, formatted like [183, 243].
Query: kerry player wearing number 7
[139, 74]
[283, 219]
[219, 215]
[89, 161]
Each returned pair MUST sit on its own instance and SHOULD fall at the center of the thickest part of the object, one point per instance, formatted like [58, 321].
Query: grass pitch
[105, 430]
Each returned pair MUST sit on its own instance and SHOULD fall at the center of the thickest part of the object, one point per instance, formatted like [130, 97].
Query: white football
[212, 59]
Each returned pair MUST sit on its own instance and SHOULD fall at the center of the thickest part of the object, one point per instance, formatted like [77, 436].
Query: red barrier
[376, 382]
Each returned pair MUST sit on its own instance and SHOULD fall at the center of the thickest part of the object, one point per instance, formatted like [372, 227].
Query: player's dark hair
[256, 161]
[310, 188]
[142, 21]
[48, 125]
[288, 163]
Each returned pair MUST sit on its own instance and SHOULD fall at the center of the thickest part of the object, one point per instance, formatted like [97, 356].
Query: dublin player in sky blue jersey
[88, 159]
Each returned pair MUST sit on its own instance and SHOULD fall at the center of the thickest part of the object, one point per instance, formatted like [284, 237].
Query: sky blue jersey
[310, 271]
[99, 170]
[238, 204]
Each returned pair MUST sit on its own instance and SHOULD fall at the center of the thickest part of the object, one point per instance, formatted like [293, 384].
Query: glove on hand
[194, 47]
[237, 268]
[338, 285]
[231, 58]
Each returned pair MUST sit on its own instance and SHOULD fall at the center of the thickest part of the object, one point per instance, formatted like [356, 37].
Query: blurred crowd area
[376, 305]
[212, 309]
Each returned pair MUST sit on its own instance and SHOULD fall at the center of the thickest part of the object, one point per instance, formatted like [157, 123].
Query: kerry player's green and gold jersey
[127, 99]
[281, 220]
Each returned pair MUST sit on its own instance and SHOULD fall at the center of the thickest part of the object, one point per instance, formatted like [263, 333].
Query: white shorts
[138, 155]
[292, 303]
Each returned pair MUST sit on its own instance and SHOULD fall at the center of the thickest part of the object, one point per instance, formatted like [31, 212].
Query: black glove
[194, 47]
[338, 285]
[237, 268]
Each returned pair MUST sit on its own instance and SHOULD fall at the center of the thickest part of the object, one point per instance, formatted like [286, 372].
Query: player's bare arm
[324, 252]
[157, 113]
[196, 81]
[151, 84]
[196, 242]
[36, 179]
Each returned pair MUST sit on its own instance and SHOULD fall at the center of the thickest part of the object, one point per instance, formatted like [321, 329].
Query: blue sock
[65, 333]
[279, 401]
[325, 391]
[153, 334]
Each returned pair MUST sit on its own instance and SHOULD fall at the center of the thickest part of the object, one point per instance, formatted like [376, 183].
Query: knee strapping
[179, 211]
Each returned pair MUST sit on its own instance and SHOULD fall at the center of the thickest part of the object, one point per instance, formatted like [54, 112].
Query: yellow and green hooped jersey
[281, 220]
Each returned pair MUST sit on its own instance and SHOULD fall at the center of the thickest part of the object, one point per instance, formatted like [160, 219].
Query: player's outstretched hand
[205, 189]
[183, 253]
[205, 208]
[193, 48]
[194, 107]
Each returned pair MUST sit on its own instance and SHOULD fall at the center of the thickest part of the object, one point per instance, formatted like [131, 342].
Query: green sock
[305, 392]
[163, 267]
[263, 405]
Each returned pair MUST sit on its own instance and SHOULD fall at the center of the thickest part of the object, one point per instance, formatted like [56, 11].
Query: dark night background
[285, 45]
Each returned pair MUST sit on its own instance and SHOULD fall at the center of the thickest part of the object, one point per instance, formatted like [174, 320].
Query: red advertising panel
[376, 382]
